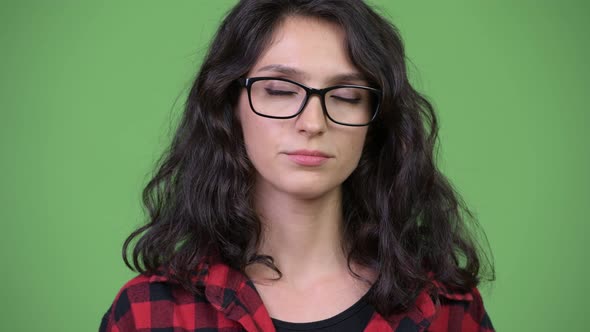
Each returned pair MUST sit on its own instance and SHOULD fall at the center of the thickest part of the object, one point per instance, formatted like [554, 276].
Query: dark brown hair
[401, 215]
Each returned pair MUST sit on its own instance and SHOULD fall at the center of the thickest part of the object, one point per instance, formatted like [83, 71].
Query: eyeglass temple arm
[243, 81]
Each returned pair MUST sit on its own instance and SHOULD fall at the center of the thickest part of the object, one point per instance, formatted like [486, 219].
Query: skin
[300, 206]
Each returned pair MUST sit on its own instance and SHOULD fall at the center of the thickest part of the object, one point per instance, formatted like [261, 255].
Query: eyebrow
[286, 70]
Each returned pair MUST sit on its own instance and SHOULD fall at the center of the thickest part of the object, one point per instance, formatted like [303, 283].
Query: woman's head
[308, 155]
[361, 42]
[401, 217]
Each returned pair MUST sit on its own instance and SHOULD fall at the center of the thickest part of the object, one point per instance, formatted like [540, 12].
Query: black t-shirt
[353, 319]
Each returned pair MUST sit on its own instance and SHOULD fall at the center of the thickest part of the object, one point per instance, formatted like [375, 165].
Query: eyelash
[347, 100]
[280, 92]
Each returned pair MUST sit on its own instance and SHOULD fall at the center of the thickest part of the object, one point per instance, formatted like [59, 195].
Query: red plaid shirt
[231, 303]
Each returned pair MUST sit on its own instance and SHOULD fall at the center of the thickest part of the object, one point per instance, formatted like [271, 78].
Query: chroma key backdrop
[90, 92]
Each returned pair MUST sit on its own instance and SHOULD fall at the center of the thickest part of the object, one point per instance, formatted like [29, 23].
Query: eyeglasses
[280, 98]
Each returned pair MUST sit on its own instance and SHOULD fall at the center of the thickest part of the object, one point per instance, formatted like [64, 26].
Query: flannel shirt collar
[231, 292]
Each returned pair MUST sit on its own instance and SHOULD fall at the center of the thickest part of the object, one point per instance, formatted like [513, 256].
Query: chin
[308, 189]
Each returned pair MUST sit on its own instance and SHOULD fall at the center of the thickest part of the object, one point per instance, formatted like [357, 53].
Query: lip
[308, 157]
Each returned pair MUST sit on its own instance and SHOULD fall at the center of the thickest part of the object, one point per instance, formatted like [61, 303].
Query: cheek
[353, 146]
[249, 125]
[257, 137]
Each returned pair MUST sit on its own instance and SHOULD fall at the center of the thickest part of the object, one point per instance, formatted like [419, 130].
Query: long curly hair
[402, 217]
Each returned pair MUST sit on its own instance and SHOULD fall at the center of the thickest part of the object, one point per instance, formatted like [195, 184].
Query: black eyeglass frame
[246, 82]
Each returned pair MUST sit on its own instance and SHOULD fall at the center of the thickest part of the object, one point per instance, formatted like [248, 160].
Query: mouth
[311, 153]
[308, 157]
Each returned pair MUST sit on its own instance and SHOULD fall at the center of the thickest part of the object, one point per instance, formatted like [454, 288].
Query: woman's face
[311, 52]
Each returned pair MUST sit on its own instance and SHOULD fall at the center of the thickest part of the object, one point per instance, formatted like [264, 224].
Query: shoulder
[146, 301]
[460, 311]
[439, 308]
[133, 301]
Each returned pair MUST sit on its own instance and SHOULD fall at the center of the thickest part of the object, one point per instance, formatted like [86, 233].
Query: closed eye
[347, 100]
[280, 92]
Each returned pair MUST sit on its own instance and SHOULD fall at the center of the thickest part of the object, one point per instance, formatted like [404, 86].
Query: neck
[303, 236]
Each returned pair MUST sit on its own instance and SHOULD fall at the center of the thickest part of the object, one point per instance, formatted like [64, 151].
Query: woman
[300, 190]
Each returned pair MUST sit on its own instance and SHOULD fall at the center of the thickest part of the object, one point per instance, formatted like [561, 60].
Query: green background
[89, 93]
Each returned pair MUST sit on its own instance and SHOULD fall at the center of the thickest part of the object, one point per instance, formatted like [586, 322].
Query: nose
[312, 120]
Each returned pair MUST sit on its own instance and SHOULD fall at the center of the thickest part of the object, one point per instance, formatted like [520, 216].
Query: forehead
[316, 48]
